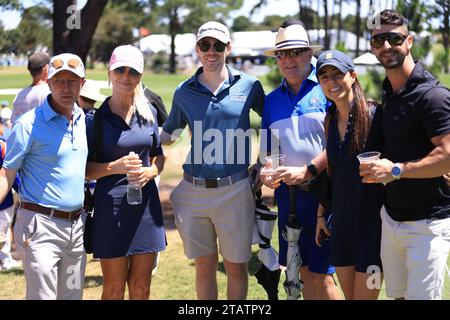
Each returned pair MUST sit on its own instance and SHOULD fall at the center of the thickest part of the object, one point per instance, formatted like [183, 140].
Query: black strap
[98, 133]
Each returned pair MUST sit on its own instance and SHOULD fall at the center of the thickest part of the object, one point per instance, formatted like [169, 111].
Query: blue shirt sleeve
[19, 143]
[176, 119]
[156, 148]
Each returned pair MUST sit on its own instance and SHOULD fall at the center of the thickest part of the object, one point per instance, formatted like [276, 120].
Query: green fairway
[175, 277]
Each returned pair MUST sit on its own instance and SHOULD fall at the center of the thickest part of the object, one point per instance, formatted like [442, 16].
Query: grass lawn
[175, 276]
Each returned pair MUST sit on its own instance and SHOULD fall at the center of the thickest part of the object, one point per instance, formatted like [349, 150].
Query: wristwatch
[312, 168]
[397, 170]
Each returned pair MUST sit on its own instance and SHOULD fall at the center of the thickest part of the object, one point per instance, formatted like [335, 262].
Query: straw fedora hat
[291, 37]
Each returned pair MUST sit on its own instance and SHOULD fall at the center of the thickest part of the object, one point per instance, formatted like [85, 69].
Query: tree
[113, 30]
[34, 29]
[73, 31]
[188, 15]
[442, 10]
[241, 23]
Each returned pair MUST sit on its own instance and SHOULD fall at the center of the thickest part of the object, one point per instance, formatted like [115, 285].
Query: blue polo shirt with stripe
[50, 156]
[219, 123]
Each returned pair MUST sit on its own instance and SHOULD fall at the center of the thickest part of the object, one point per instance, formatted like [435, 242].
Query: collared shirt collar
[49, 113]
[233, 75]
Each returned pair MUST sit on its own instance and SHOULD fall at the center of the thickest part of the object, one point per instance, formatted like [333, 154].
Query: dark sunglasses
[218, 46]
[289, 53]
[132, 72]
[394, 39]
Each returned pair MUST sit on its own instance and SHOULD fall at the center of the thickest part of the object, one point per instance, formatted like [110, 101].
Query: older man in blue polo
[48, 148]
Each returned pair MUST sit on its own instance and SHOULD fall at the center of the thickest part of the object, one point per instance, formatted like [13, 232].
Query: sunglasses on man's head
[394, 39]
[205, 45]
[289, 53]
[59, 63]
[132, 72]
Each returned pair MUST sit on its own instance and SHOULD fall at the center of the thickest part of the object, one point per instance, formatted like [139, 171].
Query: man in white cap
[214, 201]
[45, 146]
[294, 116]
[35, 94]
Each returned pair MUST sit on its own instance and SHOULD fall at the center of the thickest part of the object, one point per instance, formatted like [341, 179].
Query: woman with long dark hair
[355, 223]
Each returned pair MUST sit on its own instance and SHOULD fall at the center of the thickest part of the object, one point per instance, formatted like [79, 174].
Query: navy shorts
[316, 258]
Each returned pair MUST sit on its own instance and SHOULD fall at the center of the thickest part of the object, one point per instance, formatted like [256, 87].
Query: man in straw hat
[45, 146]
[214, 201]
[294, 115]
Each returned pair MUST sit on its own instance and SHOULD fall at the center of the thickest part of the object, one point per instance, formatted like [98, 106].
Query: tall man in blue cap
[44, 147]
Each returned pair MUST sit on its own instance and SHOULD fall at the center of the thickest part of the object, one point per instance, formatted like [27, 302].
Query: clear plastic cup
[273, 162]
[368, 156]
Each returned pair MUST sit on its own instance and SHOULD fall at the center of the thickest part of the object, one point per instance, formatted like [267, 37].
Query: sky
[11, 19]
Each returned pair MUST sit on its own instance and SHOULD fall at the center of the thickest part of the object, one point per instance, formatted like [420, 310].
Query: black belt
[71, 215]
[216, 182]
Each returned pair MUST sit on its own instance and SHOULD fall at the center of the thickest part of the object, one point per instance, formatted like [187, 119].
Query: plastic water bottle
[134, 194]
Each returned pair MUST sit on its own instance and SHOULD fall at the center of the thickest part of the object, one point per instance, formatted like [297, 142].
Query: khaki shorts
[414, 256]
[225, 213]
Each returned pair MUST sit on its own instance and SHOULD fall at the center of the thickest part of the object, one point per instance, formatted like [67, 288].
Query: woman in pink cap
[124, 148]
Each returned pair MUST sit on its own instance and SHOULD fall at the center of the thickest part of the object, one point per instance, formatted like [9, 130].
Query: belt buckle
[211, 183]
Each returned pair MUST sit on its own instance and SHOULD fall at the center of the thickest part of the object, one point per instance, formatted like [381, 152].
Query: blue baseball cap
[336, 59]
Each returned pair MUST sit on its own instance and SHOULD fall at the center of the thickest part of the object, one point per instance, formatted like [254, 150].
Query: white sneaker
[10, 264]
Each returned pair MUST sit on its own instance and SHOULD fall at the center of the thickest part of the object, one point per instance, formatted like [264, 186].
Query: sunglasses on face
[205, 45]
[59, 63]
[132, 72]
[394, 39]
[290, 53]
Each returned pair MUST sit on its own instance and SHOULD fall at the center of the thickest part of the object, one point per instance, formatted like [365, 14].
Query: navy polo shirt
[219, 123]
[411, 117]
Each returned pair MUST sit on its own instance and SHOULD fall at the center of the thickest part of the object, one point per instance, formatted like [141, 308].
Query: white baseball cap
[66, 61]
[214, 30]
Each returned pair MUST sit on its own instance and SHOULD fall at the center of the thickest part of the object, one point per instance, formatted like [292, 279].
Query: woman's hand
[141, 177]
[126, 165]
[322, 231]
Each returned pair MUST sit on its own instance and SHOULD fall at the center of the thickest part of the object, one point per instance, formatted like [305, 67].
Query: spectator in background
[5, 116]
[89, 95]
[6, 214]
[35, 94]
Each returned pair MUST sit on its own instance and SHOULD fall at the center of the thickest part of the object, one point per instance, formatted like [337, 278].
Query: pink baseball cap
[127, 56]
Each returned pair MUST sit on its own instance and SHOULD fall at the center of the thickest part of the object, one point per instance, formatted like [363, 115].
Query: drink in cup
[273, 162]
[368, 156]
